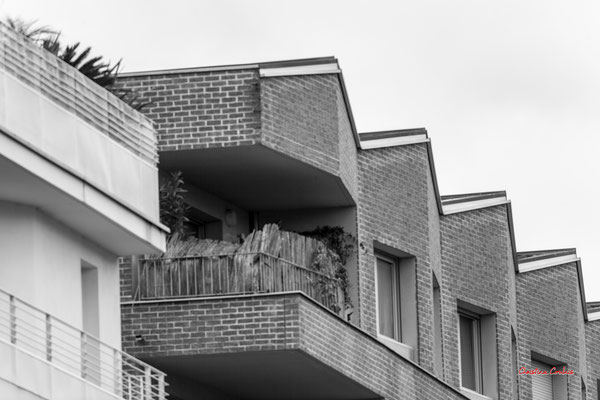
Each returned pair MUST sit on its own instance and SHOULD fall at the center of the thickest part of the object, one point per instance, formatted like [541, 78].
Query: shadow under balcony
[255, 177]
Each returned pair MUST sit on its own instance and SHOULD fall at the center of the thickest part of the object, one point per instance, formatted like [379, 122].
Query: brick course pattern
[305, 117]
[550, 322]
[477, 265]
[125, 279]
[394, 209]
[276, 322]
[592, 336]
[207, 326]
[201, 110]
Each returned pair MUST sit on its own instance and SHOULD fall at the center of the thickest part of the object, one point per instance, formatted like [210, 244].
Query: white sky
[508, 90]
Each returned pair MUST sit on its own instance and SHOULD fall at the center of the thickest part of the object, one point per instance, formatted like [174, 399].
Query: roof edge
[393, 138]
[473, 203]
[470, 197]
[233, 67]
[547, 262]
[535, 255]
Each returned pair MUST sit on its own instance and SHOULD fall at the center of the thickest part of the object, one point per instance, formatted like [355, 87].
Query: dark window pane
[467, 353]
[385, 297]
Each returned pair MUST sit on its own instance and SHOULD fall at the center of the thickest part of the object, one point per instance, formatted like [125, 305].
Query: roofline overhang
[403, 137]
[478, 201]
[455, 207]
[546, 262]
[593, 316]
[560, 257]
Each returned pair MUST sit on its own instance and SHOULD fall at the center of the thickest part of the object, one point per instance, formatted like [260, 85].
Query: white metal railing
[79, 353]
[55, 79]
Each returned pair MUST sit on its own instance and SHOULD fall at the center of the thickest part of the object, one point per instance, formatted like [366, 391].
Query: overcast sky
[508, 90]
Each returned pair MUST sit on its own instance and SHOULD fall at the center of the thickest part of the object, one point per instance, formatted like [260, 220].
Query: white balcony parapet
[77, 353]
[45, 73]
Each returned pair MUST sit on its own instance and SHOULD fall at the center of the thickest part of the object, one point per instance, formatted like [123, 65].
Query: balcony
[234, 274]
[43, 355]
[75, 151]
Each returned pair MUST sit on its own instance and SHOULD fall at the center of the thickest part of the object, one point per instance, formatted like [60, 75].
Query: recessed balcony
[258, 178]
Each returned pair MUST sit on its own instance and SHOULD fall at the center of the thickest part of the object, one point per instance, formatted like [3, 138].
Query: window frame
[488, 345]
[475, 320]
[559, 382]
[396, 300]
[407, 317]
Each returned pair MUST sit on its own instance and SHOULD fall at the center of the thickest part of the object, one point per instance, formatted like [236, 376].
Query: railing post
[161, 386]
[84, 355]
[48, 337]
[147, 392]
[118, 374]
[129, 386]
[13, 320]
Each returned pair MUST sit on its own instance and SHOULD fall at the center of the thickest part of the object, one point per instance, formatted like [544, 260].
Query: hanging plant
[331, 260]
[173, 208]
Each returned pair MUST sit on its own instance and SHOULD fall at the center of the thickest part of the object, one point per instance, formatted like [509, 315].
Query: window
[547, 387]
[470, 351]
[477, 350]
[389, 311]
[395, 275]
[541, 385]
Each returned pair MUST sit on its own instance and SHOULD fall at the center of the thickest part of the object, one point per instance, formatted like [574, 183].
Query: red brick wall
[550, 321]
[476, 268]
[200, 110]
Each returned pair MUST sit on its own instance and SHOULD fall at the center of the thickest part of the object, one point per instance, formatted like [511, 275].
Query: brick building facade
[443, 305]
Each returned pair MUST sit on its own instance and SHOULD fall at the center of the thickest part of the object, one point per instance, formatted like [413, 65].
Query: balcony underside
[27, 178]
[265, 375]
[257, 178]
[280, 345]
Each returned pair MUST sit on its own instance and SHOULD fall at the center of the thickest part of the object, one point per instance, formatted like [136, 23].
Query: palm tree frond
[95, 68]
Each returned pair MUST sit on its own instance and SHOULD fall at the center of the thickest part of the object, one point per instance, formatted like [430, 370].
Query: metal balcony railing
[238, 273]
[65, 85]
[41, 335]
